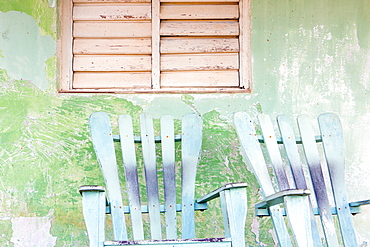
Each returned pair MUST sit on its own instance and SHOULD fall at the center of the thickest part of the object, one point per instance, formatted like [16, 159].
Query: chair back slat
[253, 153]
[273, 151]
[333, 143]
[191, 140]
[131, 175]
[298, 208]
[292, 153]
[150, 166]
[317, 177]
[291, 149]
[191, 147]
[169, 177]
[101, 135]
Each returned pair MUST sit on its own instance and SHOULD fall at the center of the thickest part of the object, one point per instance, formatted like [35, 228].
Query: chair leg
[234, 209]
[298, 212]
[94, 204]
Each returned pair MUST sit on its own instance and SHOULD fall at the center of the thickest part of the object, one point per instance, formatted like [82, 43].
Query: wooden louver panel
[112, 44]
[199, 45]
[158, 44]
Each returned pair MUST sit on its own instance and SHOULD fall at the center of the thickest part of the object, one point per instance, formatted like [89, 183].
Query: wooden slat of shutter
[198, 1]
[199, 28]
[111, 29]
[111, 1]
[112, 12]
[199, 11]
[112, 63]
[216, 61]
[199, 45]
[112, 46]
[200, 79]
[112, 80]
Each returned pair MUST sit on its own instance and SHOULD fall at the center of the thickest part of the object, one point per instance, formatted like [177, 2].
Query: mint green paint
[166, 104]
[308, 57]
[24, 49]
[309, 54]
[40, 11]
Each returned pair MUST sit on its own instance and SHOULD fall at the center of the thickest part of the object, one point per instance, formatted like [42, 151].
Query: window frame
[65, 54]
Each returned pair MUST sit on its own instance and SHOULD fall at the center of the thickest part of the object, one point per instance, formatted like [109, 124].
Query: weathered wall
[308, 57]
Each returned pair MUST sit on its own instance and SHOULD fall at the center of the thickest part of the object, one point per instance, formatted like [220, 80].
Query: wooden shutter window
[164, 46]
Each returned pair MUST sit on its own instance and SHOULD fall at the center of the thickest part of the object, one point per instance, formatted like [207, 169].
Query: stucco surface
[24, 50]
[308, 57]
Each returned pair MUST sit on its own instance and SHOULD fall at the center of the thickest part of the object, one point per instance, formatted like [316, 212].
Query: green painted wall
[308, 57]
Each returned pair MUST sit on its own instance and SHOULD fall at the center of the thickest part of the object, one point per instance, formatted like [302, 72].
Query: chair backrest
[304, 157]
[153, 148]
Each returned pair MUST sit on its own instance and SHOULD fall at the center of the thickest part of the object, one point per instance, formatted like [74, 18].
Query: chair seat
[195, 242]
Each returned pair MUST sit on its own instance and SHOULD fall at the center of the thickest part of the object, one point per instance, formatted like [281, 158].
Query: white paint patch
[52, 3]
[255, 229]
[366, 74]
[32, 232]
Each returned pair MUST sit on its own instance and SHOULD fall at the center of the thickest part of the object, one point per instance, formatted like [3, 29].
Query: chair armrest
[96, 189]
[234, 206]
[278, 197]
[359, 203]
[86, 188]
[216, 193]
[94, 207]
[355, 206]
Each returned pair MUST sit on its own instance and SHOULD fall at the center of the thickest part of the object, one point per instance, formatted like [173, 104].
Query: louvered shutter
[159, 45]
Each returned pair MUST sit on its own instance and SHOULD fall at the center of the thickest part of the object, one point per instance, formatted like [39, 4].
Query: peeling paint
[24, 50]
[32, 232]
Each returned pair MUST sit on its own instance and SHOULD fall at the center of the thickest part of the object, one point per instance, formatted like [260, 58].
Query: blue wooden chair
[96, 203]
[292, 179]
